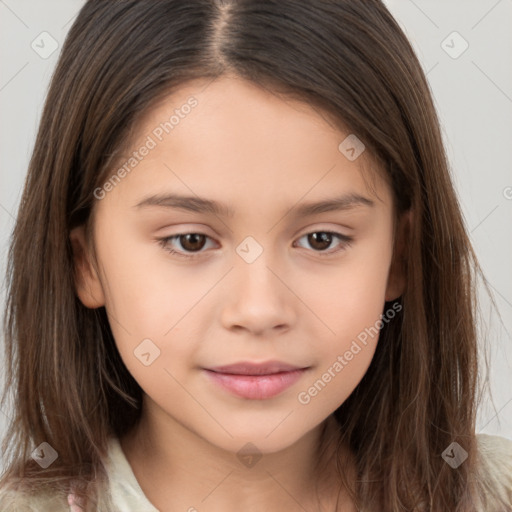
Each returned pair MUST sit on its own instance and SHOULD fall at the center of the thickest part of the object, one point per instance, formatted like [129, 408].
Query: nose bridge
[253, 265]
[260, 300]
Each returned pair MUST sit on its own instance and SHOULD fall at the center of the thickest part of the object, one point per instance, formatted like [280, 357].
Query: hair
[351, 60]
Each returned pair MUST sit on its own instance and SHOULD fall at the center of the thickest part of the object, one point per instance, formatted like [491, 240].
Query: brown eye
[192, 241]
[320, 240]
[191, 244]
[186, 245]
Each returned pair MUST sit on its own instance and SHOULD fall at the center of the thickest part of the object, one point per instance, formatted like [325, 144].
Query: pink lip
[256, 381]
[249, 368]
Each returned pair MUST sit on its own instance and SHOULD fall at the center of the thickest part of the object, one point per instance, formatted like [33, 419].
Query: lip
[255, 381]
[250, 368]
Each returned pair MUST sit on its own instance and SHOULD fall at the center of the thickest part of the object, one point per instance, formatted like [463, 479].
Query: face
[262, 279]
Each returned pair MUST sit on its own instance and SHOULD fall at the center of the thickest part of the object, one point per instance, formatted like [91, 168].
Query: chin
[257, 439]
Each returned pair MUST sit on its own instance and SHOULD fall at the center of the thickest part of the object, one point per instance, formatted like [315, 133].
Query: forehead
[207, 136]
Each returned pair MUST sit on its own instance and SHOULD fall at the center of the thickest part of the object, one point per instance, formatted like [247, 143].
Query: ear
[396, 277]
[87, 284]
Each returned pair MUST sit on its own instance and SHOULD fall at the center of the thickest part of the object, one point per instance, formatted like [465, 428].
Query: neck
[179, 470]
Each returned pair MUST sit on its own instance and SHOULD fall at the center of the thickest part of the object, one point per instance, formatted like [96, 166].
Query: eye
[320, 240]
[192, 243]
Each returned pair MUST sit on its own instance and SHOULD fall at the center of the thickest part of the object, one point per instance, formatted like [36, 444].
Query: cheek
[343, 357]
[145, 290]
[148, 298]
[352, 295]
[352, 308]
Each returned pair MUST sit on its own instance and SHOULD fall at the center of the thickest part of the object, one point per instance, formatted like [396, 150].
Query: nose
[258, 298]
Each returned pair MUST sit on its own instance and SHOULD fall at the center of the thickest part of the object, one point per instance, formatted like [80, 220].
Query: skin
[263, 156]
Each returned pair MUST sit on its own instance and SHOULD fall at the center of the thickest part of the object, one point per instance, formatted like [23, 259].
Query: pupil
[191, 241]
[325, 240]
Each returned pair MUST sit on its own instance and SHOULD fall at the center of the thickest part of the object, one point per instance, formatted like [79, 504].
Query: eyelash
[164, 242]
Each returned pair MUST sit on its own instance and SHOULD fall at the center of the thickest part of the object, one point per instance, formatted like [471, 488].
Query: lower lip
[256, 387]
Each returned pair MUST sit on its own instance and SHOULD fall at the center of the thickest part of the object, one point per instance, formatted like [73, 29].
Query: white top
[494, 477]
[127, 495]
[496, 474]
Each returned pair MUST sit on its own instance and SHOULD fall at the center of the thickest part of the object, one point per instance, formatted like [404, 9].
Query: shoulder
[26, 497]
[494, 472]
[12, 500]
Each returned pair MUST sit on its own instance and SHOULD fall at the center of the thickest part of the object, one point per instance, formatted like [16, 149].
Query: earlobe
[396, 278]
[87, 284]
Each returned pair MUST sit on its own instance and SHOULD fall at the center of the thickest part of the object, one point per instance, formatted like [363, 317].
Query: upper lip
[250, 368]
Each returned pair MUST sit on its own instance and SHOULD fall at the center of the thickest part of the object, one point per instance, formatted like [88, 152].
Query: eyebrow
[202, 205]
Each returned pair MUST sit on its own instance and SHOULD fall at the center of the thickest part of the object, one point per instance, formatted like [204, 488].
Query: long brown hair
[350, 59]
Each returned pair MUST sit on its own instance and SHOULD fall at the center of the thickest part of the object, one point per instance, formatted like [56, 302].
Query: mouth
[256, 381]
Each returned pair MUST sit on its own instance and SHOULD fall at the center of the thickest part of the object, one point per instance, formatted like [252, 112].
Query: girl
[239, 277]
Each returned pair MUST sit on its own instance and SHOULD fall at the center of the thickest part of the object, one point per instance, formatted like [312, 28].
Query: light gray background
[473, 95]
